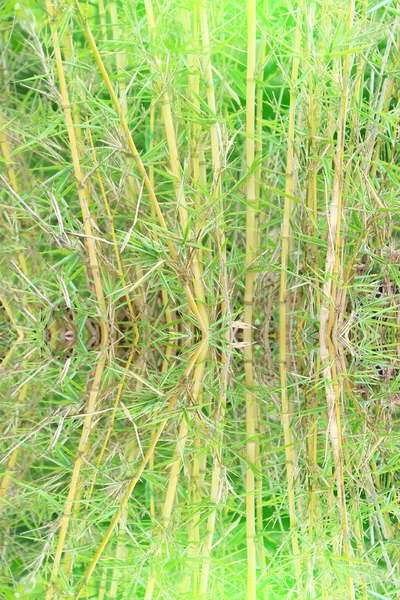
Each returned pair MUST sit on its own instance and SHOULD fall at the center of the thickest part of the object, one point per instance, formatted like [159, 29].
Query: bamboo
[121, 61]
[94, 265]
[12, 177]
[120, 552]
[328, 301]
[132, 484]
[251, 240]
[114, 239]
[176, 465]
[87, 424]
[195, 147]
[83, 193]
[258, 175]
[112, 419]
[216, 189]
[6, 154]
[197, 285]
[136, 156]
[178, 182]
[283, 291]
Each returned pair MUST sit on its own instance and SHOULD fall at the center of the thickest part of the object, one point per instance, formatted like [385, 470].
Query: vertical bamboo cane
[216, 189]
[328, 301]
[6, 154]
[136, 156]
[94, 265]
[176, 465]
[83, 194]
[133, 482]
[87, 423]
[197, 281]
[258, 175]
[251, 239]
[176, 171]
[285, 405]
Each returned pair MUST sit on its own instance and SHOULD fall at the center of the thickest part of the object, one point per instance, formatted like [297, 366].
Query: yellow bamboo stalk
[112, 419]
[176, 465]
[6, 479]
[12, 177]
[136, 156]
[195, 147]
[216, 187]
[283, 291]
[257, 175]
[110, 216]
[168, 317]
[328, 303]
[197, 285]
[251, 240]
[67, 561]
[84, 198]
[176, 171]
[87, 424]
[132, 484]
[10, 314]
[120, 552]
[121, 61]
[83, 193]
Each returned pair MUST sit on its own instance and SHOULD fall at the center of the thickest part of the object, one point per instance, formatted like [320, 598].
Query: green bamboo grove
[199, 299]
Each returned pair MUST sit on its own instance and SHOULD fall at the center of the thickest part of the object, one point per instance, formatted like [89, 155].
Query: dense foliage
[199, 299]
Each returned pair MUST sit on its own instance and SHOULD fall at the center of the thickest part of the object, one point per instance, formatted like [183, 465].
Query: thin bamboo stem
[110, 427]
[136, 156]
[283, 293]
[176, 465]
[191, 363]
[110, 216]
[216, 188]
[258, 175]
[251, 240]
[12, 177]
[178, 182]
[328, 302]
[72, 119]
[87, 424]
